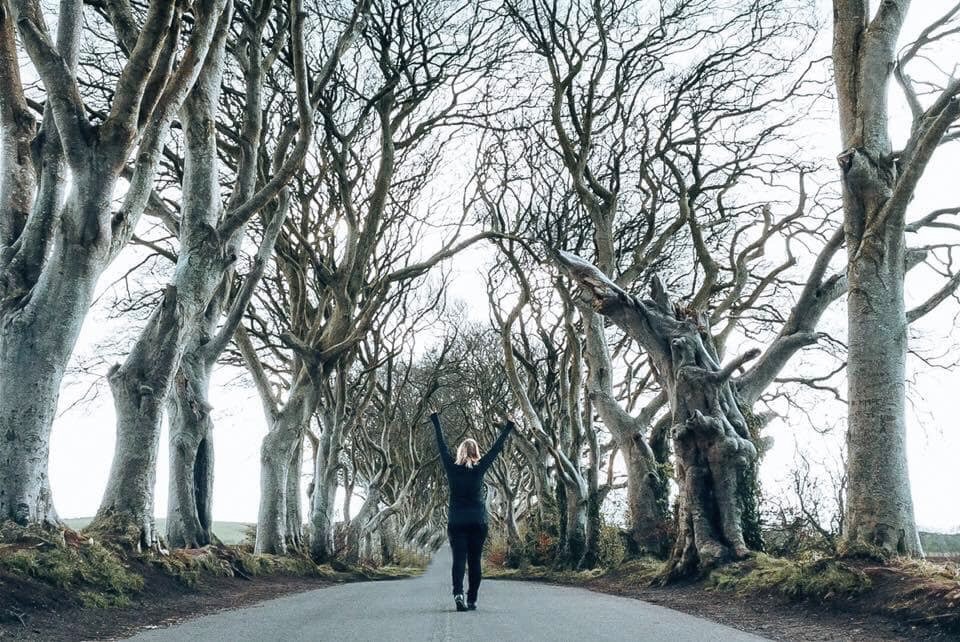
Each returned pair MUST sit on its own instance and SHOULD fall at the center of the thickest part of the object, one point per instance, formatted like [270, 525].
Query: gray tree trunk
[191, 426]
[28, 404]
[322, 506]
[647, 504]
[544, 482]
[714, 453]
[879, 502]
[294, 509]
[277, 452]
[574, 547]
[35, 350]
[49, 271]
[189, 508]
[876, 191]
[359, 527]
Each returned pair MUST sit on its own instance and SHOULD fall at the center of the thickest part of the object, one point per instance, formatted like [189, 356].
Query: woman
[467, 514]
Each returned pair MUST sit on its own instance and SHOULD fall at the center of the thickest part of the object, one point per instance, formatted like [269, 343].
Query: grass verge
[911, 592]
[53, 570]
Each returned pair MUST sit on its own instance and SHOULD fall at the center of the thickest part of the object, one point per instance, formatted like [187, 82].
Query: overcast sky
[83, 437]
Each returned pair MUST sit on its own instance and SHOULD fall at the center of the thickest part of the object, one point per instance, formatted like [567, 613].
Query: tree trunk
[138, 396]
[648, 510]
[189, 508]
[276, 454]
[359, 527]
[388, 541]
[29, 389]
[544, 484]
[322, 510]
[876, 191]
[879, 501]
[574, 545]
[47, 282]
[38, 331]
[278, 450]
[294, 528]
[714, 452]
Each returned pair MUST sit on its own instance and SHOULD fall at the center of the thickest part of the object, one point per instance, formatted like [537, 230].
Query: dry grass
[640, 571]
[96, 573]
[811, 577]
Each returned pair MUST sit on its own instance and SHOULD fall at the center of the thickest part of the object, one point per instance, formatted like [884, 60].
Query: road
[423, 609]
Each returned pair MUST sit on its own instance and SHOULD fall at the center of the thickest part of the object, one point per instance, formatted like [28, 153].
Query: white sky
[83, 438]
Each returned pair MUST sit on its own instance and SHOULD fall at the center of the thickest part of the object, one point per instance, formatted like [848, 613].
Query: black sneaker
[471, 606]
[461, 602]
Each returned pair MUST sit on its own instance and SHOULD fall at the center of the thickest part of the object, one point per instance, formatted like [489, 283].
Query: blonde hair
[468, 453]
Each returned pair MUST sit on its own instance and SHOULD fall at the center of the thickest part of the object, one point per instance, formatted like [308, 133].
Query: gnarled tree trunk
[189, 503]
[711, 439]
[714, 453]
[278, 451]
[49, 267]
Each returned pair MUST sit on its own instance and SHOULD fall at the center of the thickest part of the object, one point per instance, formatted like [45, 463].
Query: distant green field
[940, 543]
[228, 532]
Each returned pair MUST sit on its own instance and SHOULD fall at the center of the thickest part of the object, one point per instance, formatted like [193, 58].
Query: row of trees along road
[296, 172]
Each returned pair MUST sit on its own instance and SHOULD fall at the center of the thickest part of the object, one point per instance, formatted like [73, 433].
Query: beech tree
[878, 185]
[644, 105]
[210, 234]
[353, 248]
[59, 229]
[543, 362]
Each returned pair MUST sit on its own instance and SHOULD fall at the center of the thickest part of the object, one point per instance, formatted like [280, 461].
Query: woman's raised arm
[441, 444]
[491, 454]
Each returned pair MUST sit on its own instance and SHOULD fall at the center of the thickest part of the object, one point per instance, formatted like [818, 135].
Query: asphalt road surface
[423, 609]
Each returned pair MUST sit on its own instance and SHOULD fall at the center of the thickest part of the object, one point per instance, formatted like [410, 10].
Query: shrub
[541, 548]
[408, 558]
[612, 549]
[496, 550]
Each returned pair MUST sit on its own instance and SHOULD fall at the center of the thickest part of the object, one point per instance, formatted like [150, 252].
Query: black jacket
[467, 492]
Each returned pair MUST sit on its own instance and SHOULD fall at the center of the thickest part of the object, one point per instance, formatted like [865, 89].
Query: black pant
[466, 540]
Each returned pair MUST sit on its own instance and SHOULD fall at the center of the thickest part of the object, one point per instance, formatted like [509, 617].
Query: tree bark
[48, 275]
[322, 501]
[359, 527]
[294, 509]
[279, 448]
[647, 502]
[35, 350]
[189, 507]
[575, 540]
[879, 502]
